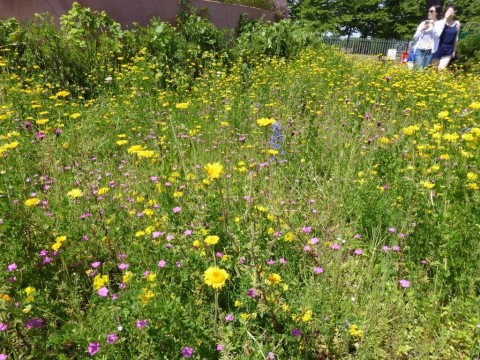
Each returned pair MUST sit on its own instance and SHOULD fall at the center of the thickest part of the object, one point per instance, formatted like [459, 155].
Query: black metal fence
[368, 46]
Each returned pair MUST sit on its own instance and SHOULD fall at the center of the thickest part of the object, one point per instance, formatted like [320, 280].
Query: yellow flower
[288, 236]
[29, 290]
[410, 130]
[307, 316]
[355, 331]
[211, 240]
[183, 105]
[475, 106]
[103, 190]
[427, 184]
[122, 142]
[443, 114]
[472, 176]
[265, 122]
[273, 152]
[134, 149]
[62, 93]
[146, 296]
[472, 186]
[126, 277]
[274, 279]
[31, 202]
[214, 170]
[76, 115]
[215, 277]
[451, 137]
[100, 281]
[151, 277]
[75, 193]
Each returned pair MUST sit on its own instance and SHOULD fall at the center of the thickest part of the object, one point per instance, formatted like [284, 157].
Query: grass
[342, 193]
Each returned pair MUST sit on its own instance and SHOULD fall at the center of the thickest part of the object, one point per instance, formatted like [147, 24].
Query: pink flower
[404, 283]
[12, 267]
[156, 234]
[103, 291]
[396, 248]
[318, 270]
[93, 348]
[111, 338]
[3, 326]
[141, 323]
[385, 248]
[177, 209]
[3, 356]
[162, 263]
[123, 266]
[307, 248]
[314, 241]
[391, 230]
[335, 246]
[358, 252]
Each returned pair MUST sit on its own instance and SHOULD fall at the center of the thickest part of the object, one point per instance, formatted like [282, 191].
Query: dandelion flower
[211, 240]
[264, 122]
[274, 279]
[215, 277]
[214, 170]
[32, 202]
[75, 193]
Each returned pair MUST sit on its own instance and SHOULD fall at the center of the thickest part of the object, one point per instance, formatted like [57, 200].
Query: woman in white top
[424, 38]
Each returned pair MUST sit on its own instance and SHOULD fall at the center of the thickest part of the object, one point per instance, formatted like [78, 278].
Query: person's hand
[426, 25]
[453, 54]
[449, 13]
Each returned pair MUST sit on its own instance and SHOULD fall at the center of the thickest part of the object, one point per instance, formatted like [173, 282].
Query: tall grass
[338, 195]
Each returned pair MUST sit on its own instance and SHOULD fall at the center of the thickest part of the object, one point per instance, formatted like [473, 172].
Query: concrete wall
[128, 11]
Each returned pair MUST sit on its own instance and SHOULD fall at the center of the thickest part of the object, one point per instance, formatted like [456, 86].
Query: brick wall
[140, 11]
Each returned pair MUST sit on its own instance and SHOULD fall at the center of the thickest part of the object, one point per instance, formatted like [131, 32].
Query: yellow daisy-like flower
[183, 105]
[75, 193]
[215, 277]
[355, 331]
[427, 184]
[103, 190]
[62, 94]
[214, 170]
[122, 142]
[472, 176]
[265, 122]
[211, 240]
[31, 202]
[274, 279]
[475, 106]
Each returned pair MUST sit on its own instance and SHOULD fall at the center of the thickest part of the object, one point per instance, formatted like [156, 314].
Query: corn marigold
[215, 277]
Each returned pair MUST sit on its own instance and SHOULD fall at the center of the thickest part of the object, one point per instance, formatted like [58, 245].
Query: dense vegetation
[187, 193]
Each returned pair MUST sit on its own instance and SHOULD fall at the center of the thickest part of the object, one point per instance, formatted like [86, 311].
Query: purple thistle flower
[187, 352]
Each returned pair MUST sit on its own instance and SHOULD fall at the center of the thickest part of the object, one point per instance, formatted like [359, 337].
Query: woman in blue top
[424, 38]
[446, 33]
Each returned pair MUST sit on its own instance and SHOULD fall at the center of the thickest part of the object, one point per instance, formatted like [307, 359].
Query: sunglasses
[431, 11]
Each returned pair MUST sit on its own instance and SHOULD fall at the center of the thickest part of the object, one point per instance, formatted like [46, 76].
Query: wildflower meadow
[251, 201]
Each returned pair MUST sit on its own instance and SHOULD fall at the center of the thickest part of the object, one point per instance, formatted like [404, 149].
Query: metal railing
[367, 46]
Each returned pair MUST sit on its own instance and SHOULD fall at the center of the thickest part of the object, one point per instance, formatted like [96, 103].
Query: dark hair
[438, 10]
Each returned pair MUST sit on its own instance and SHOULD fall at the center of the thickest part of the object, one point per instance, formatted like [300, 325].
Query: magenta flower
[335, 246]
[93, 348]
[177, 209]
[112, 338]
[103, 291]
[162, 263]
[12, 267]
[385, 248]
[296, 332]
[396, 248]
[358, 252]
[229, 317]
[282, 261]
[141, 323]
[34, 323]
[318, 270]
[404, 283]
[307, 248]
[271, 355]
[219, 347]
[391, 230]
[3, 326]
[314, 241]
[96, 264]
[187, 352]
[3, 356]
[123, 266]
